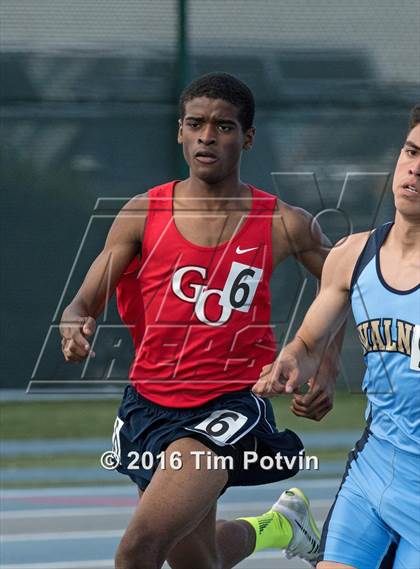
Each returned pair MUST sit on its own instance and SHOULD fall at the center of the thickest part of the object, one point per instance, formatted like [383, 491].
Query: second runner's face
[406, 183]
[213, 139]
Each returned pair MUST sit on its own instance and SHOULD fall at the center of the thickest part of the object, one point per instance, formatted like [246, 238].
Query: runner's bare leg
[177, 517]
[213, 544]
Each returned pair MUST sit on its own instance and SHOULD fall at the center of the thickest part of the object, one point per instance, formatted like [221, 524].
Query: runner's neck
[217, 197]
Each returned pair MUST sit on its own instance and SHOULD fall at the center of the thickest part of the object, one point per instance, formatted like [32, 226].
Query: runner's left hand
[319, 399]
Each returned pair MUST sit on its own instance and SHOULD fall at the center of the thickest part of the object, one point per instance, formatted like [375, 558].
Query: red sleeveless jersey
[199, 316]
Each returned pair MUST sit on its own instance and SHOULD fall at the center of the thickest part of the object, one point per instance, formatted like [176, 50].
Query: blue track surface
[79, 528]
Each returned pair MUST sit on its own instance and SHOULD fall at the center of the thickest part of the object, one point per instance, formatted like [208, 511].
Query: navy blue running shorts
[240, 425]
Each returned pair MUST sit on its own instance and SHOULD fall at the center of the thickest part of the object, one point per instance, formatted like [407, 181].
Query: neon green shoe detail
[294, 505]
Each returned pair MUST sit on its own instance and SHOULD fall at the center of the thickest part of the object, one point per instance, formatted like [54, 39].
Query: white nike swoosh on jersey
[240, 251]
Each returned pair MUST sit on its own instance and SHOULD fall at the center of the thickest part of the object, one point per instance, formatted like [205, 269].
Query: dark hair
[222, 86]
[414, 119]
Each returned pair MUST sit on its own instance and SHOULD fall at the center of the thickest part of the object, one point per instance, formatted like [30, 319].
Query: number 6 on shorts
[220, 426]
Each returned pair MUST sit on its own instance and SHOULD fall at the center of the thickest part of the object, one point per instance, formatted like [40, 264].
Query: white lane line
[62, 535]
[109, 563]
[69, 535]
[122, 510]
[65, 512]
[113, 490]
[124, 490]
[100, 563]
[261, 503]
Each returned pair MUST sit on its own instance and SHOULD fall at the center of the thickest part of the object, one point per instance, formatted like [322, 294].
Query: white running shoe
[294, 505]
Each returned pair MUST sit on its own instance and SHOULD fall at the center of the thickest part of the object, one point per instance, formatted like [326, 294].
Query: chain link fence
[89, 94]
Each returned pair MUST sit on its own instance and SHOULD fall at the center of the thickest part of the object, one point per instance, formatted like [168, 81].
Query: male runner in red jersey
[191, 261]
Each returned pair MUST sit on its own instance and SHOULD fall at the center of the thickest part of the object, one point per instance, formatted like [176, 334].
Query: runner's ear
[179, 131]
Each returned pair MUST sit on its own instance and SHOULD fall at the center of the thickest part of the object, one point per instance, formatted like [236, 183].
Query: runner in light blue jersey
[388, 322]
[375, 520]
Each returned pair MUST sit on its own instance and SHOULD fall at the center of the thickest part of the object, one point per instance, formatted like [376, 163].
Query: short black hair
[414, 119]
[222, 86]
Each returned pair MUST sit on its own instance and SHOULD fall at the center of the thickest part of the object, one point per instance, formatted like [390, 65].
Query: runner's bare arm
[123, 242]
[304, 239]
[299, 361]
[297, 233]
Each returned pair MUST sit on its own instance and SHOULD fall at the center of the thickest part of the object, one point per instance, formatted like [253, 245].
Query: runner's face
[213, 139]
[406, 183]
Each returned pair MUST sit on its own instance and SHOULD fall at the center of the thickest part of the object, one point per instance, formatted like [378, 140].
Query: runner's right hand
[276, 377]
[74, 334]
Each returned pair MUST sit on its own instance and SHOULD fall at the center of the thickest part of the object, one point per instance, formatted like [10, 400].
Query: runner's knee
[144, 550]
[192, 564]
[129, 557]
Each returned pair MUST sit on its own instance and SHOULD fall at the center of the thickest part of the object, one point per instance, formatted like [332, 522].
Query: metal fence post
[182, 75]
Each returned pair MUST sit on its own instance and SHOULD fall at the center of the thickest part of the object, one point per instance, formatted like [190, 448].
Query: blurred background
[89, 106]
[89, 94]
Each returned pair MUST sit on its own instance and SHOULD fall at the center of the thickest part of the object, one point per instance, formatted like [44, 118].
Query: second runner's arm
[300, 360]
[310, 247]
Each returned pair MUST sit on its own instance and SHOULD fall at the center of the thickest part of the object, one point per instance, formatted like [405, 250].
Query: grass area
[65, 483]
[86, 419]
[347, 414]
[55, 461]
[57, 419]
